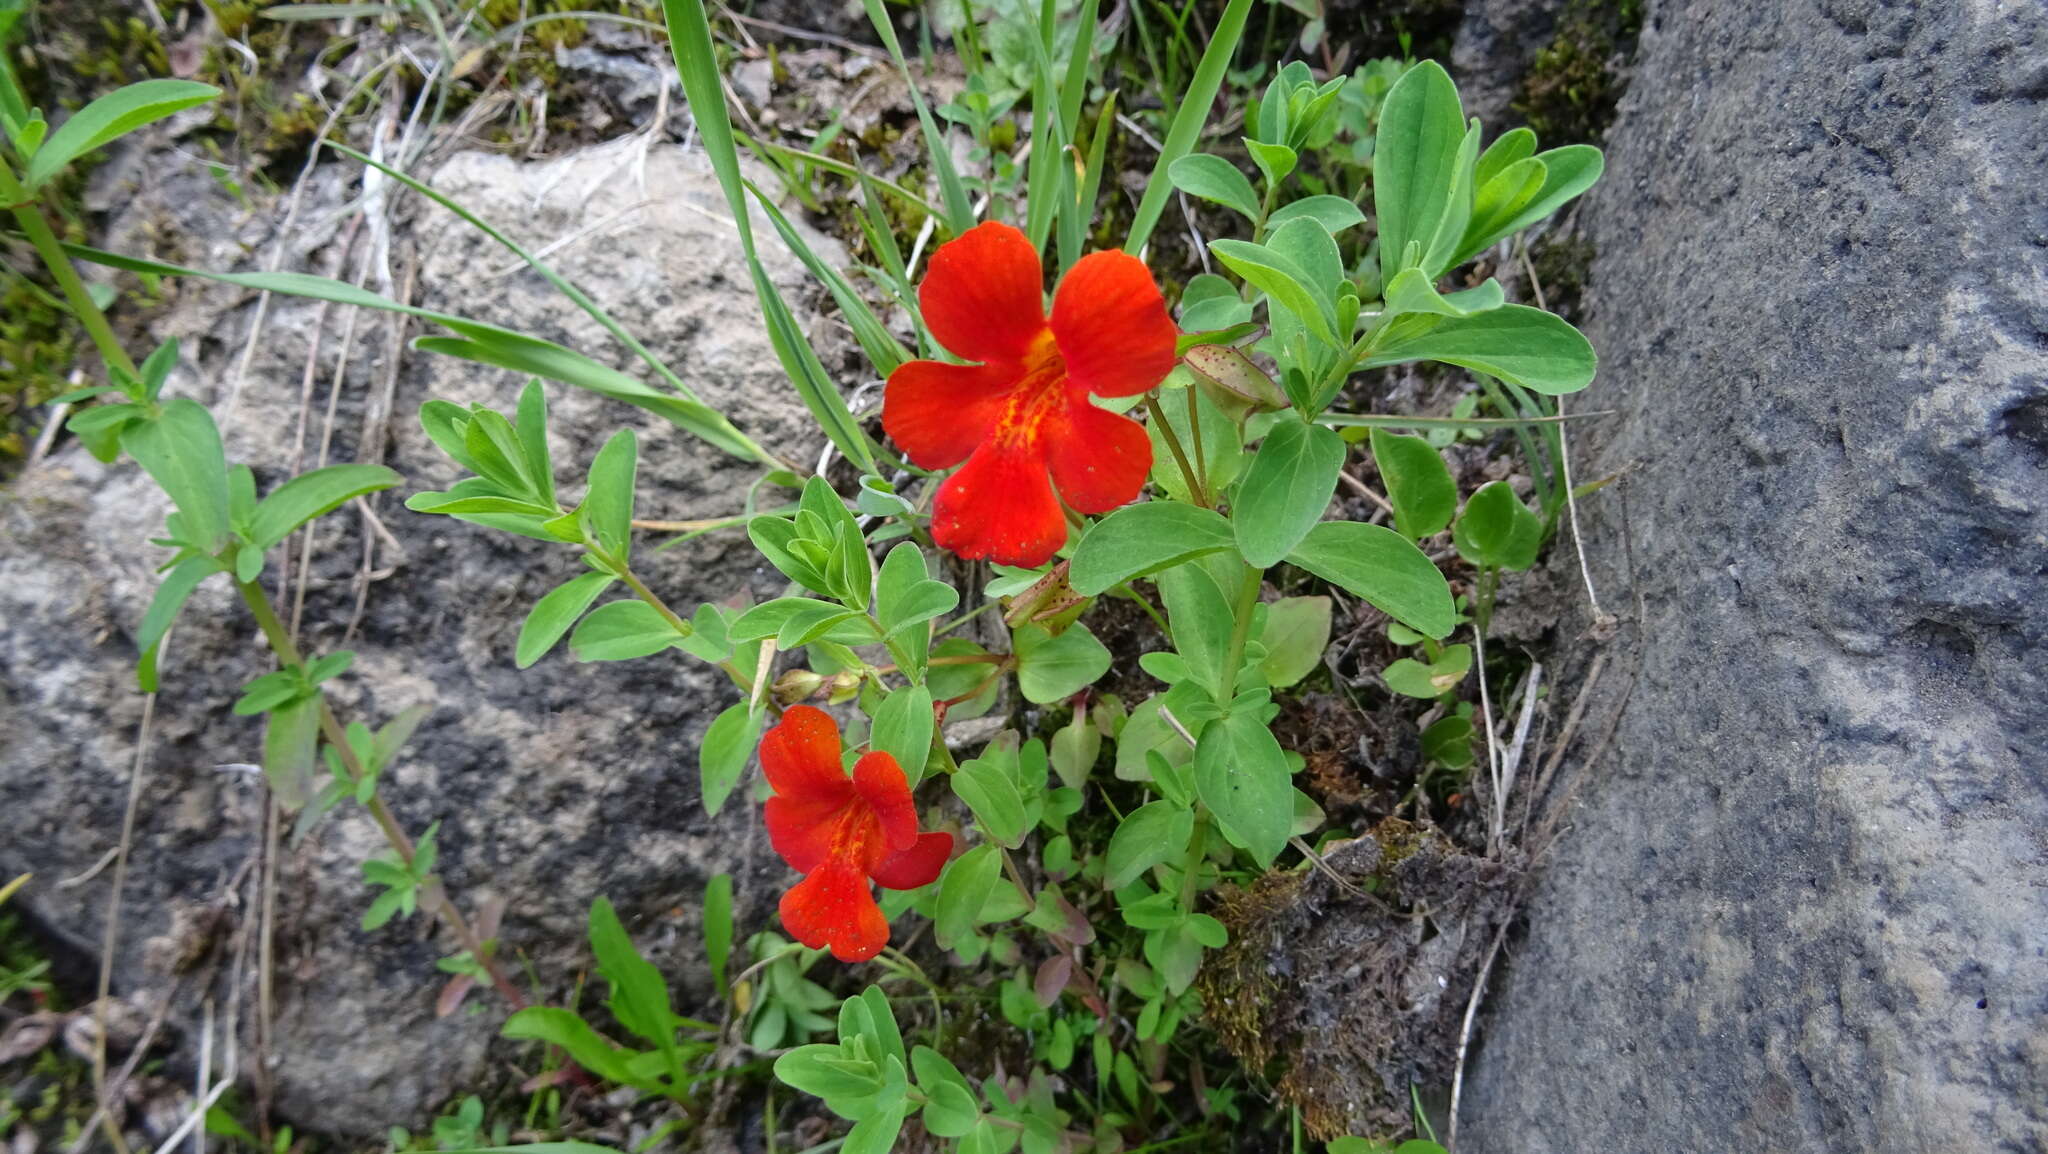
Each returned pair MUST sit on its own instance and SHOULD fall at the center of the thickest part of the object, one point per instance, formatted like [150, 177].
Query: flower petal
[984, 298]
[1099, 459]
[938, 413]
[919, 865]
[882, 784]
[1112, 325]
[1000, 507]
[801, 828]
[834, 907]
[800, 755]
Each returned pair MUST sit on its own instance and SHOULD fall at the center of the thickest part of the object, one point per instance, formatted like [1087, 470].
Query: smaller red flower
[839, 832]
[1021, 419]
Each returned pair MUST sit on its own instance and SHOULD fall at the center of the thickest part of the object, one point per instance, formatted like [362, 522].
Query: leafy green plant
[1090, 832]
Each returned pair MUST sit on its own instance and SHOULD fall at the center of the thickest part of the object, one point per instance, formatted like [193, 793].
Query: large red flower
[1021, 418]
[839, 832]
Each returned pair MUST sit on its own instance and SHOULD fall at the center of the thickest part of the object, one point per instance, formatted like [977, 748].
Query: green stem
[287, 652]
[1165, 427]
[1197, 849]
[1131, 591]
[683, 628]
[37, 228]
[1265, 214]
[1240, 632]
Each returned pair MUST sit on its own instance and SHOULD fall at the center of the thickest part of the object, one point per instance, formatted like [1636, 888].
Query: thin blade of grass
[561, 283]
[959, 210]
[1074, 90]
[689, 34]
[884, 352]
[841, 168]
[1075, 217]
[1187, 123]
[1043, 177]
[481, 337]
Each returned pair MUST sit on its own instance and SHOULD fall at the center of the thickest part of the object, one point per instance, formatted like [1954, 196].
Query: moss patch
[1570, 91]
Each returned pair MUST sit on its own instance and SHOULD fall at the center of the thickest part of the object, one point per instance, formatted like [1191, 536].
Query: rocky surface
[553, 786]
[1801, 902]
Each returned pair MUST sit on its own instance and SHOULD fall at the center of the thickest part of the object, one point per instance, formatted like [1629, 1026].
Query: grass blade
[884, 352]
[689, 35]
[481, 342]
[562, 285]
[959, 210]
[1188, 121]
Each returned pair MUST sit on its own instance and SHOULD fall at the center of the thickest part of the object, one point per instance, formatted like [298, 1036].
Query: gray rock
[554, 785]
[1801, 902]
[1497, 41]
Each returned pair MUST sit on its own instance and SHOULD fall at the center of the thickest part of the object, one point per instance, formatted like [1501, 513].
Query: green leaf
[1286, 490]
[1215, 179]
[1297, 631]
[156, 368]
[311, 495]
[622, 631]
[170, 598]
[1412, 291]
[486, 345]
[1567, 173]
[1509, 147]
[1335, 213]
[1188, 120]
[951, 1110]
[112, 116]
[181, 451]
[718, 928]
[989, 791]
[1384, 568]
[1074, 749]
[1415, 162]
[1530, 347]
[906, 597]
[1241, 774]
[384, 907]
[639, 997]
[609, 499]
[1431, 680]
[1139, 540]
[1448, 742]
[554, 613]
[1153, 833]
[728, 742]
[795, 621]
[963, 890]
[291, 741]
[1200, 613]
[1276, 161]
[1418, 484]
[848, 1086]
[1496, 530]
[589, 1049]
[903, 729]
[531, 424]
[269, 691]
[1284, 282]
[1050, 668]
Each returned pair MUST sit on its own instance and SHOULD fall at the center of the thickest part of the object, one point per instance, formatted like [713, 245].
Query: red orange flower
[839, 832]
[1021, 418]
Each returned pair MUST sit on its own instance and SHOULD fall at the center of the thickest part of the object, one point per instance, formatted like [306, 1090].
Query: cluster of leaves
[1077, 906]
